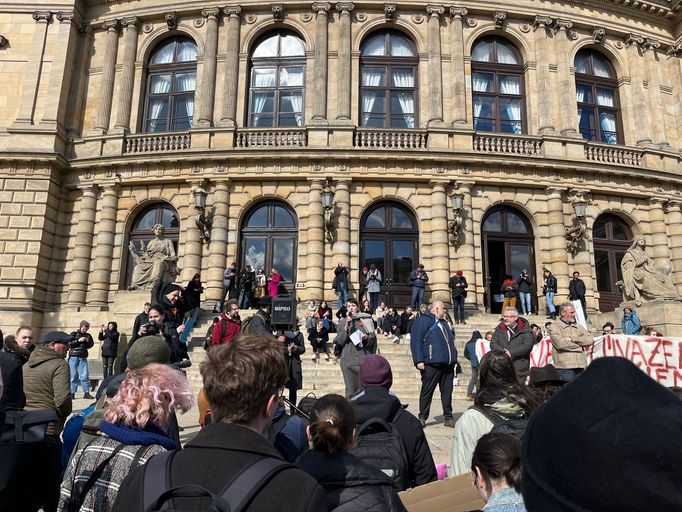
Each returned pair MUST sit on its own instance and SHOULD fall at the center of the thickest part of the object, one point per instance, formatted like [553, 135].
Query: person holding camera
[109, 336]
[157, 326]
[373, 285]
[340, 283]
[418, 280]
[81, 341]
[525, 285]
[458, 289]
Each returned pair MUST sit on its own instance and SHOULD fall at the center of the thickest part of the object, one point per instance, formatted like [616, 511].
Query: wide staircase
[323, 377]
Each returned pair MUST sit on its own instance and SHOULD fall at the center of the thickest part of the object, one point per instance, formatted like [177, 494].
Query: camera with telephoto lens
[151, 328]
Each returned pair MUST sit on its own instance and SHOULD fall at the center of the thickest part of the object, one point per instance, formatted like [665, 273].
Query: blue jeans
[550, 302]
[525, 302]
[78, 367]
[373, 300]
[417, 297]
[342, 291]
[458, 308]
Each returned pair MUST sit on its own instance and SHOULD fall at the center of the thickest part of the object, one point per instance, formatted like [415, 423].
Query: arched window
[388, 78]
[597, 96]
[277, 80]
[497, 84]
[171, 80]
[611, 237]
[141, 232]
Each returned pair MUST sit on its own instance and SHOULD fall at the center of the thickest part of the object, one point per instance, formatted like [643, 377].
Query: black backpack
[379, 444]
[501, 425]
[236, 496]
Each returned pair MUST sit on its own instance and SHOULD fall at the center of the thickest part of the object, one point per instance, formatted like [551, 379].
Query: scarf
[147, 436]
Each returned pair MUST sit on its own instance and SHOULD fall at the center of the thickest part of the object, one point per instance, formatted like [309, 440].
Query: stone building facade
[113, 113]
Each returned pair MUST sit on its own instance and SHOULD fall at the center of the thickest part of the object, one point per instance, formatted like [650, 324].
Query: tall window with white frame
[597, 97]
[388, 74]
[497, 85]
[277, 84]
[171, 81]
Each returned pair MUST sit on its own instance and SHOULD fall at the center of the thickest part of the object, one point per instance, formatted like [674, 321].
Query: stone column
[61, 71]
[229, 115]
[466, 257]
[344, 64]
[34, 68]
[217, 249]
[659, 236]
[440, 250]
[98, 293]
[320, 63]
[82, 253]
[655, 100]
[106, 90]
[640, 108]
[558, 255]
[131, 31]
[458, 72]
[674, 222]
[582, 262]
[77, 92]
[208, 75]
[341, 247]
[315, 245]
[191, 260]
[567, 92]
[545, 96]
[435, 68]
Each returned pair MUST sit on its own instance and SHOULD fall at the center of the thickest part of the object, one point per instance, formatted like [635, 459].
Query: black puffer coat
[349, 484]
[109, 339]
[80, 344]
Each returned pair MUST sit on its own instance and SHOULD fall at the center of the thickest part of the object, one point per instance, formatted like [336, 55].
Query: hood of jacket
[11, 346]
[375, 402]
[507, 408]
[41, 355]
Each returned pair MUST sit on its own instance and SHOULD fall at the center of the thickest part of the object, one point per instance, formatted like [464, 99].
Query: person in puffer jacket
[434, 354]
[350, 484]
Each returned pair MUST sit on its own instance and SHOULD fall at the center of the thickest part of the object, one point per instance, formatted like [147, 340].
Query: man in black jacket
[458, 288]
[577, 290]
[81, 341]
[242, 382]
[375, 401]
[514, 337]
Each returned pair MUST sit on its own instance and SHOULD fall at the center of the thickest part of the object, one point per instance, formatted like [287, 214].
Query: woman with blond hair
[134, 429]
[273, 283]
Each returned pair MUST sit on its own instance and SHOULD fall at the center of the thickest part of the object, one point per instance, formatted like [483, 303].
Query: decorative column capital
[232, 11]
[675, 50]
[65, 16]
[499, 18]
[345, 7]
[132, 22]
[211, 13]
[434, 10]
[111, 189]
[634, 39]
[42, 16]
[651, 44]
[458, 13]
[321, 7]
[111, 25]
[544, 22]
[554, 190]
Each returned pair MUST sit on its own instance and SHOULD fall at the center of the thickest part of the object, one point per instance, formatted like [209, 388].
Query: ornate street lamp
[456, 227]
[202, 219]
[328, 205]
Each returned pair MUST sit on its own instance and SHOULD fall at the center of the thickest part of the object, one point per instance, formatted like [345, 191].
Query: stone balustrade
[610, 154]
[157, 142]
[507, 144]
[271, 138]
[390, 139]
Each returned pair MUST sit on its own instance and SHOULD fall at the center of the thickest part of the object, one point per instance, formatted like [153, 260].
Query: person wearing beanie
[376, 401]
[169, 296]
[608, 442]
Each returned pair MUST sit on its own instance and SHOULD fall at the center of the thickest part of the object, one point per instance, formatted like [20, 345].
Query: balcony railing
[157, 142]
[390, 139]
[613, 155]
[271, 138]
[507, 144]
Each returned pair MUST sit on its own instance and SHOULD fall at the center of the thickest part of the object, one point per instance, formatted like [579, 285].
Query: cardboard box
[456, 494]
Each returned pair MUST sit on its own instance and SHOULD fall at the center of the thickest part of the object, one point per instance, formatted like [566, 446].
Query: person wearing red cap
[458, 289]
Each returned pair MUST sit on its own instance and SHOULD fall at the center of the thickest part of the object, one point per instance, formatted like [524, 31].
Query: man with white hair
[514, 337]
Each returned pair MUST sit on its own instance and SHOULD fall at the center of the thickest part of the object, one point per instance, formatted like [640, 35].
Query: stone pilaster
[466, 256]
[558, 255]
[344, 62]
[77, 93]
[545, 96]
[320, 64]
[315, 244]
[439, 272]
[674, 222]
[217, 250]
[458, 72]
[638, 99]
[98, 293]
[656, 108]
[82, 253]
[582, 262]
[567, 92]
[191, 260]
[131, 31]
[106, 90]
[341, 247]
[659, 236]
[34, 67]
[229, 114]
[435, 69]
[206, 100]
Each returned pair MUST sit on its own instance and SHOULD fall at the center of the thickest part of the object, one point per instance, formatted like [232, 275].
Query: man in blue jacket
[434, 354]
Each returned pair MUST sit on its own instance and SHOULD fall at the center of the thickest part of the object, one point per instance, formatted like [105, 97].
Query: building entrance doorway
[389, 238]
[612, 238]
[508, 248]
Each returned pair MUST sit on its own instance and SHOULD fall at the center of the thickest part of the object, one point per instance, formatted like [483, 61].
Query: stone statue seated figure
[642, 282]
[154, 263]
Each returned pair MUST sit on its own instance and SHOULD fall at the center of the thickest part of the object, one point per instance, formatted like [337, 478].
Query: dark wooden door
[611, 237]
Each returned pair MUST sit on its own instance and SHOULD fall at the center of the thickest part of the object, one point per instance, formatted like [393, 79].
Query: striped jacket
[101, 497]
